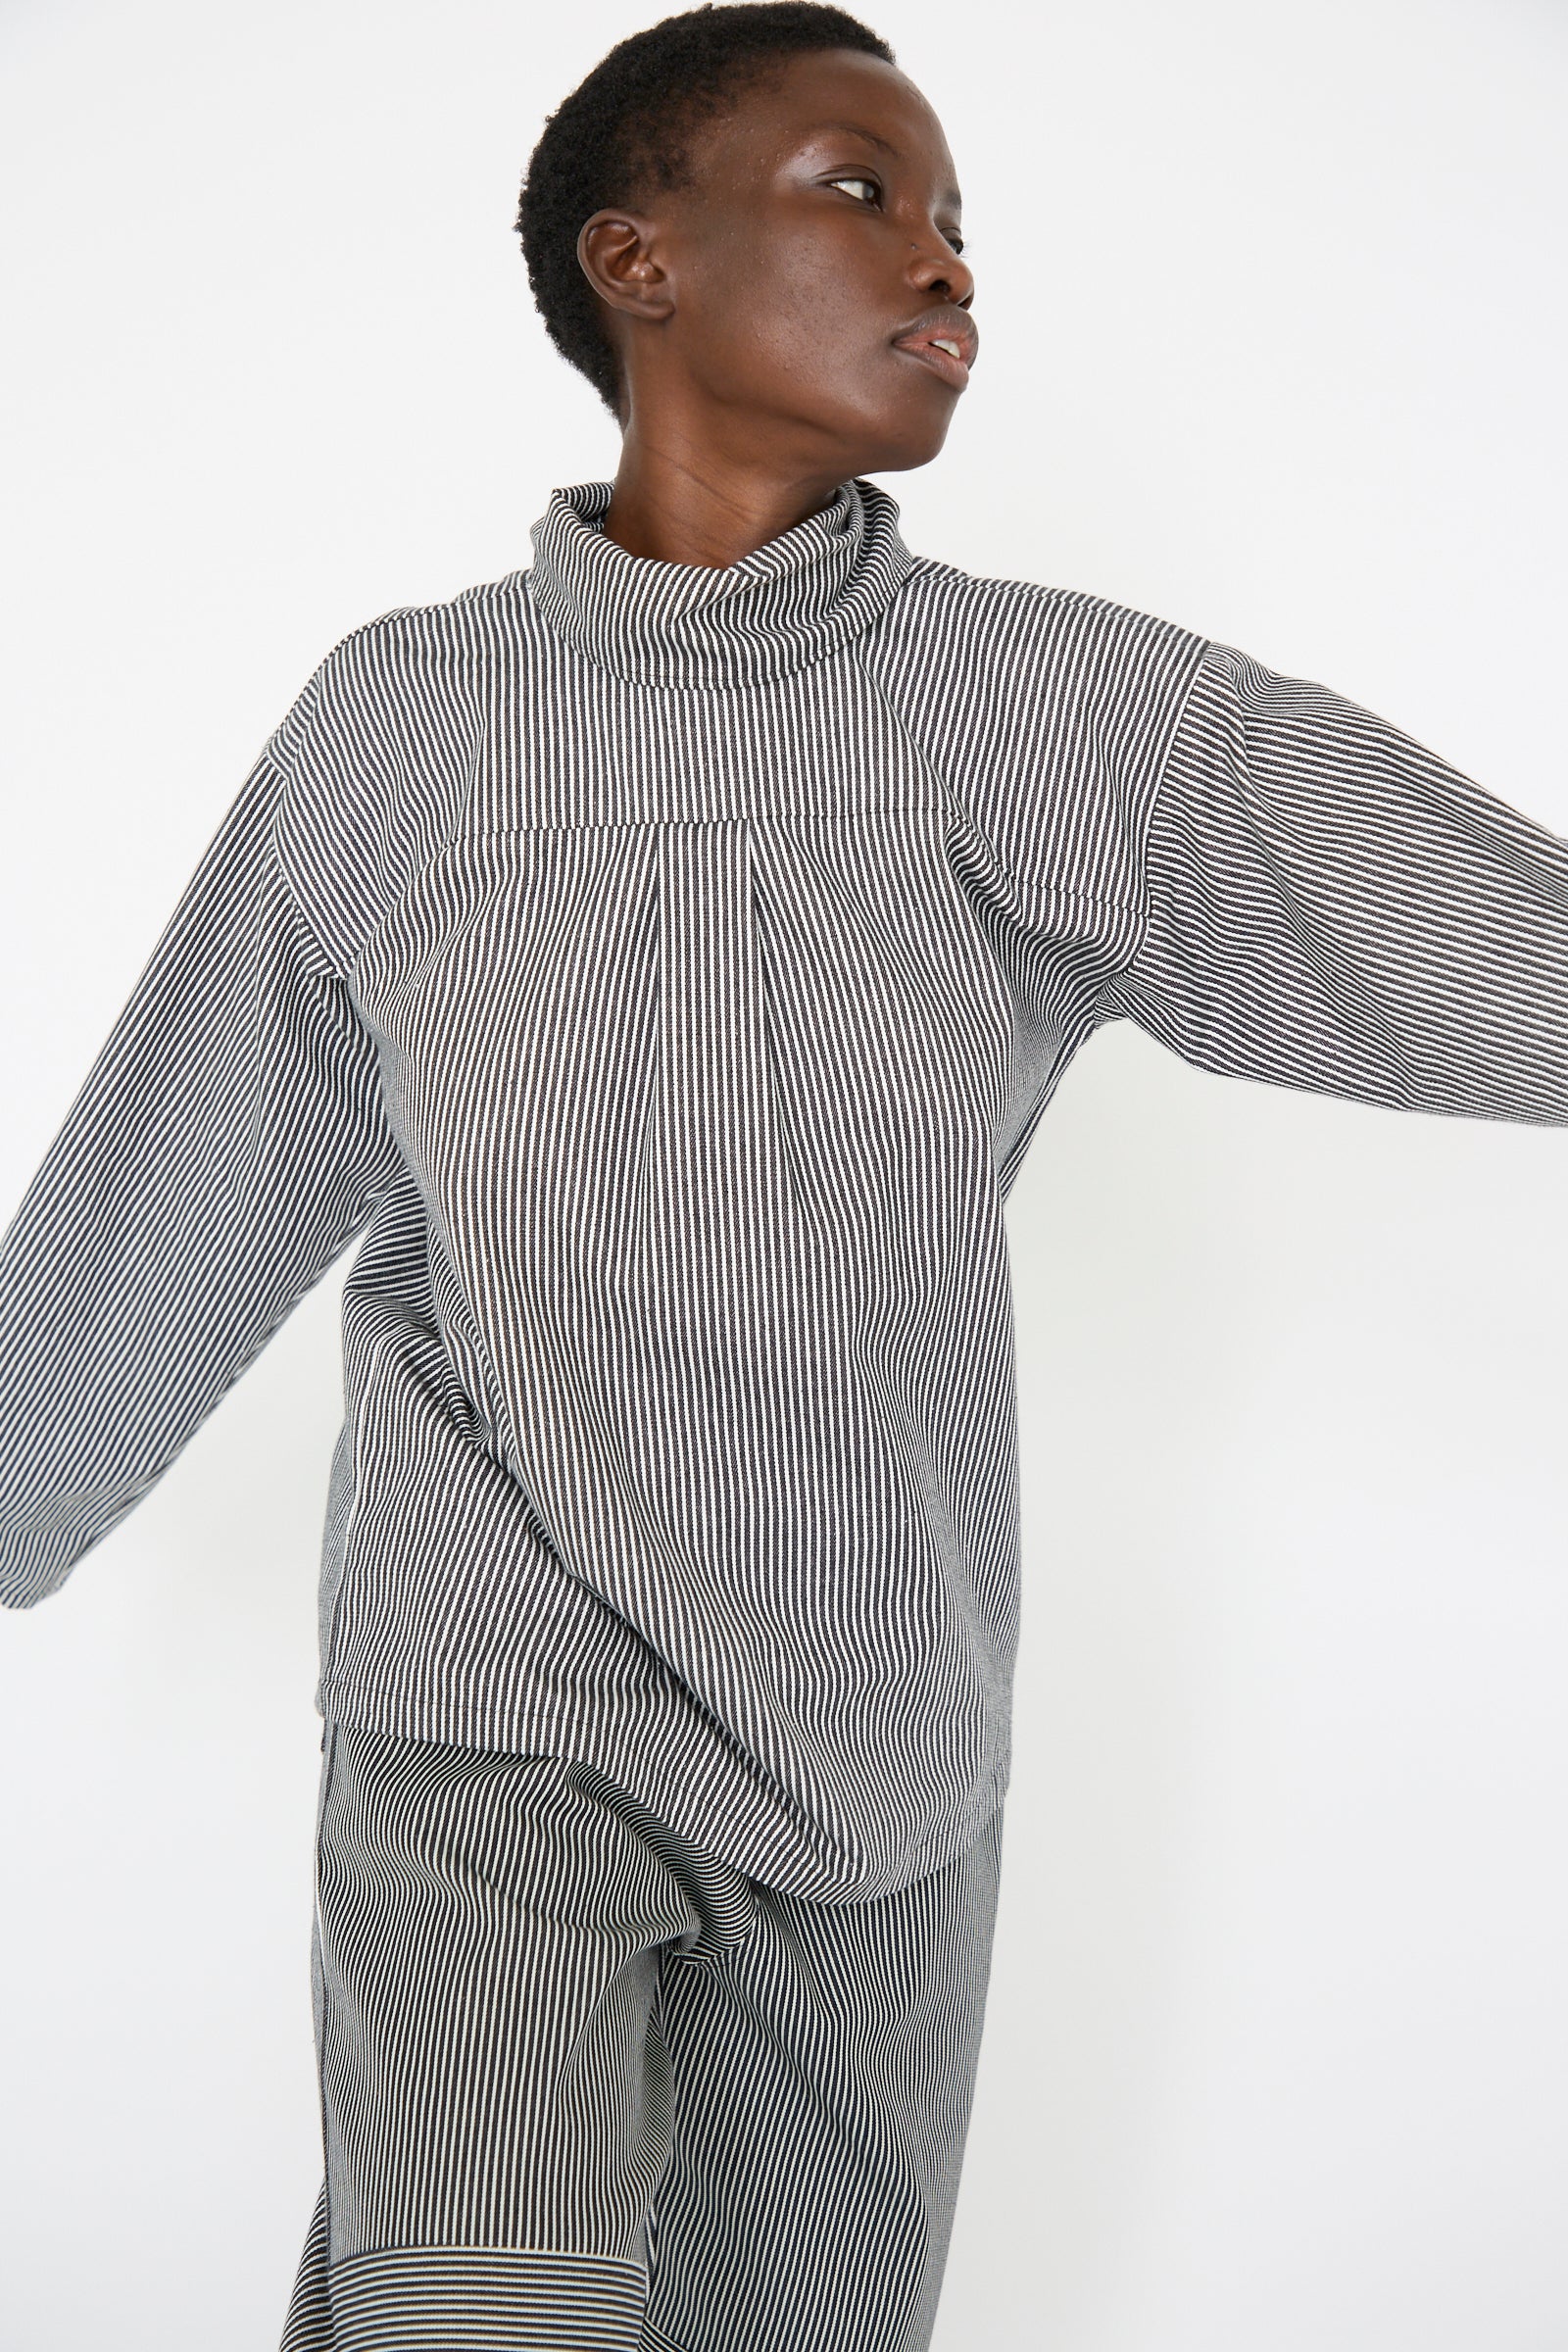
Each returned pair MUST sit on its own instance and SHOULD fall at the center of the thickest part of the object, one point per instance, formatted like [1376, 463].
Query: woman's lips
[954, 371]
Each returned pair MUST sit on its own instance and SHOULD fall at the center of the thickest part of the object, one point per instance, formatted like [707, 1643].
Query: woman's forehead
[834, 94]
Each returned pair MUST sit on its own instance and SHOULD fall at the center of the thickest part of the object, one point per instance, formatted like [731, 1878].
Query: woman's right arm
[226, 1144]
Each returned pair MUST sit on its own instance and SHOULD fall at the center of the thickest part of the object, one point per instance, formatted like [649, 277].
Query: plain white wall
[1274, 346]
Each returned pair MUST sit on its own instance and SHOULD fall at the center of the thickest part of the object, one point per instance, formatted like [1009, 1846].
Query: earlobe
[616, 253]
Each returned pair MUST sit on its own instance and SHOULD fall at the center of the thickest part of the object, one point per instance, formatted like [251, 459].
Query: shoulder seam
[328, 967]
[1203, 648]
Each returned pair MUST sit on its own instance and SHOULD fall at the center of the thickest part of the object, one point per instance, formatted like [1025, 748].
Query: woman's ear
[619, 258]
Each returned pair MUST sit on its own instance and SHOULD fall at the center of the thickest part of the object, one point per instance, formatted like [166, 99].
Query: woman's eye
[855, 182]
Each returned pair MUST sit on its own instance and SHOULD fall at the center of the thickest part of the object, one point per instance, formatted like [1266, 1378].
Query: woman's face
[793, 297]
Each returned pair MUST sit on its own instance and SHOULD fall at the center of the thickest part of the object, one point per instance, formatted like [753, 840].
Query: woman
[664, 957]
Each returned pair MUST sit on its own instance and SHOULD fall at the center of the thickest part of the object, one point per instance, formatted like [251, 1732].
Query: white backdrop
[1274, 346]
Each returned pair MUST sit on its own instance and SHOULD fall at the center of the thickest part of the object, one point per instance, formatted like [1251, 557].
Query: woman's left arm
[1331, 906]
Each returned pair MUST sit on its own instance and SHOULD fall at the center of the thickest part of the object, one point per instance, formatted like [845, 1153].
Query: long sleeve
[226, 1143]
[1331, 906]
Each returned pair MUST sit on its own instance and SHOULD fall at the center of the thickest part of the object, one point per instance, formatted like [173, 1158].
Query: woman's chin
[916, 443]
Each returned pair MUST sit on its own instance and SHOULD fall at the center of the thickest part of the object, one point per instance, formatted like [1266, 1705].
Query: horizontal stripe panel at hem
[485, 2299]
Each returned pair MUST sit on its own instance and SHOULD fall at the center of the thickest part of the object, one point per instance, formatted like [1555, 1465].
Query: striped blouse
[661, 972]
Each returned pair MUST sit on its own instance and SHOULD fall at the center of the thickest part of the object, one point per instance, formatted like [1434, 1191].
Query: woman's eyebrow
[857, 130]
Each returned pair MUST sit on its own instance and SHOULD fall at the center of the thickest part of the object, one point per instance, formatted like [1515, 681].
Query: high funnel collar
[791, 602]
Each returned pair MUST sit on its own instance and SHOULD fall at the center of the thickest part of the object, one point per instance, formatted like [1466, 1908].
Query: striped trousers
[587, 2089]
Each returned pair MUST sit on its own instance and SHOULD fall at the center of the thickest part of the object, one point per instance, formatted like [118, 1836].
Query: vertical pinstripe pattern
[664, 971]
[585, 2084]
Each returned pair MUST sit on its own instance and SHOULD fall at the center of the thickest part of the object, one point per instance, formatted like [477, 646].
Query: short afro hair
[628, 129]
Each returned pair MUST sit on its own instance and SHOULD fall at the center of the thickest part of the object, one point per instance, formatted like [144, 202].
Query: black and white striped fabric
[587, 2089]
[664, 969]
